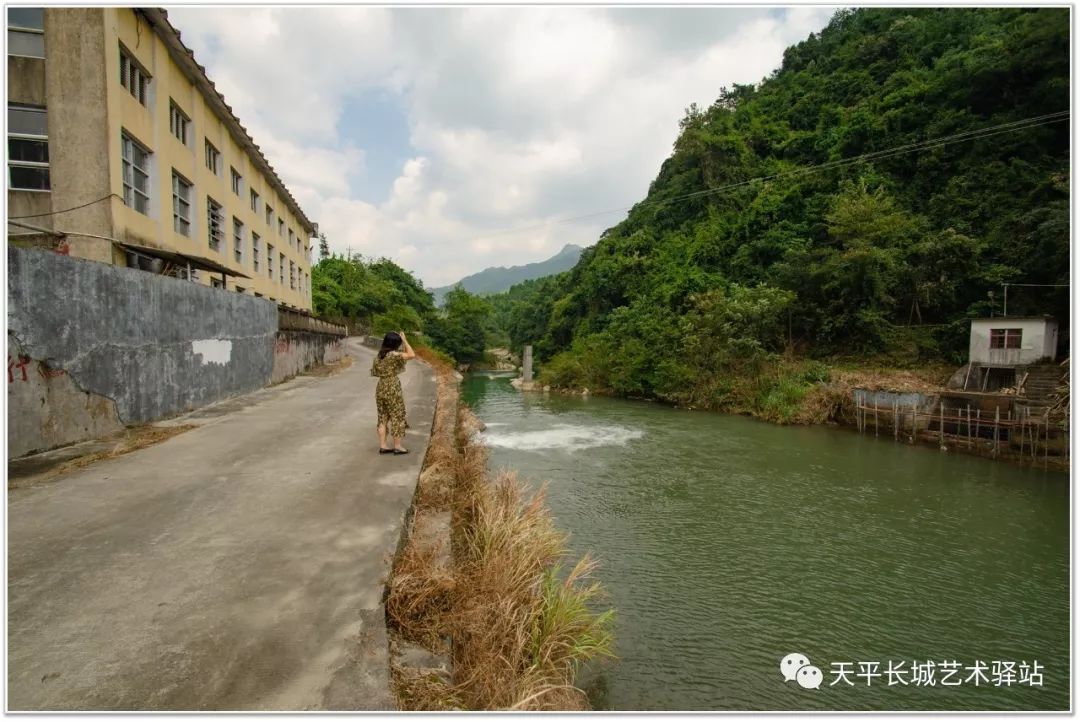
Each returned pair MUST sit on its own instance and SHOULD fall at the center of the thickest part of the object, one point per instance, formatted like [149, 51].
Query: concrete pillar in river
[526, 365]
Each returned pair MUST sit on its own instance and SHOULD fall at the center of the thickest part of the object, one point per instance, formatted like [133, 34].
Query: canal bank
[917, 406]
[487, 608]
[727, 543]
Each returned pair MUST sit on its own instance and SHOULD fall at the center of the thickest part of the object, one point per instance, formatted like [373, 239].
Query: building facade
[119, 144]
[1012, 340]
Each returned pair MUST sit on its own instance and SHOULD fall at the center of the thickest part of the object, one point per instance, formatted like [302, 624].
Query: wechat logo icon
[796, 667]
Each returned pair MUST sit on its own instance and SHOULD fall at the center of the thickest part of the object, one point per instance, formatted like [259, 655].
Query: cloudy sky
[426, 134]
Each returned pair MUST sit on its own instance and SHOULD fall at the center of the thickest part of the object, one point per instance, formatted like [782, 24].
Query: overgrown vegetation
[376, 296]
[731, 300]
[520, 626]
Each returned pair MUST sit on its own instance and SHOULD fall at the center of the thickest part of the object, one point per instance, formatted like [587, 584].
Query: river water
[728, 543]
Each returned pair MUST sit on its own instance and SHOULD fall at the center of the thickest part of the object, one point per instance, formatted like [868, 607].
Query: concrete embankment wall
[94, 347]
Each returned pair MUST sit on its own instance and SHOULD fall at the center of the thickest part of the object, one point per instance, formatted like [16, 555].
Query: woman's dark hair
[390, 342]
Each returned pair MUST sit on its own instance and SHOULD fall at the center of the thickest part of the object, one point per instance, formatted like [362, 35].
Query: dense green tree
[838, 247]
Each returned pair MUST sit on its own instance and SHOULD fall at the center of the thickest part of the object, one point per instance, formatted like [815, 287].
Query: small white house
[1012, 340]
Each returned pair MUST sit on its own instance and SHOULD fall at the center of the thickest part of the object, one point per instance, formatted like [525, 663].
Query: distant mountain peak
[500, 278]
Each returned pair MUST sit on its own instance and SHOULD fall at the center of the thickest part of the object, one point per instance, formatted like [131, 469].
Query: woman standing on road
[389, 400]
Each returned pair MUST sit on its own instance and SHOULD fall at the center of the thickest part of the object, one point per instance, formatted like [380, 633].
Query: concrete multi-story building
[121, 150]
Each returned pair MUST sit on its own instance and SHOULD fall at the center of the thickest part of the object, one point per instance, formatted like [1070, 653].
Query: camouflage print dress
[389, 401]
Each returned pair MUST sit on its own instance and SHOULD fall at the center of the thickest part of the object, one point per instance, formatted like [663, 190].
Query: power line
[67, 210]
[977, 134]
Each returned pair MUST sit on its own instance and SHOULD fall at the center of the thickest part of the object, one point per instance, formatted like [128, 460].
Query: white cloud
[517, 116]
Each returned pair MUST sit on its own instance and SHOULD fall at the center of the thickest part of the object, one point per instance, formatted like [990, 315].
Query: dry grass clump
[421, 597]
[520, 628]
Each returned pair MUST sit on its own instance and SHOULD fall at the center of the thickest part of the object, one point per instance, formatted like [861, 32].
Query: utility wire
[68, 210]
[977, 134]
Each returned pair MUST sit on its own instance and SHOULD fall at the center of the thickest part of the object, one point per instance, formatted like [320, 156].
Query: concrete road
[237, 566]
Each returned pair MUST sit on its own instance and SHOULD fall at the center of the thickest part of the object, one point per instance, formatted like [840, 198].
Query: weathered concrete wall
[46, 408]
[149, 345]
[297, 351]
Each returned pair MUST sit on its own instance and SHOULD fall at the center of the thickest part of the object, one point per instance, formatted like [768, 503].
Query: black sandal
[385, 451]
[400, 452]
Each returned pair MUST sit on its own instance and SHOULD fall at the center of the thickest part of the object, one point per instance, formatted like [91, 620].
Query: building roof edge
[158, 18]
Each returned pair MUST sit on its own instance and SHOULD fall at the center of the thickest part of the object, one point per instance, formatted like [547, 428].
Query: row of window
[183, 193]
[137, 81]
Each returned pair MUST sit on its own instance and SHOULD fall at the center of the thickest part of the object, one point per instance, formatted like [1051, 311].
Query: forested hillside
[712, 278]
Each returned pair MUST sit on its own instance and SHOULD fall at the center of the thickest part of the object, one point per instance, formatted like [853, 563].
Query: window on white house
[238, 241]
[179, 123]
[237, 181]
[281, 268]
[213, 158]
[292, 275]
[254, 202]
[181, 204]
[269, 217]
[28, 148]
[133, 76]
[281, 228]
[270, 260]
[240, 289]
[1005, 337]
[217, 282]
[136, 174]
[255, 250]
[215, 224]
[26, 32]
[292, 239]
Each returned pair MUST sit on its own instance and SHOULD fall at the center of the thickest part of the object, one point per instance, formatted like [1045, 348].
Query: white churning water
[567, 437]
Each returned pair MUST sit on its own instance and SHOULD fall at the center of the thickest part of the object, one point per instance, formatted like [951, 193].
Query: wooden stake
[1021, 439]
[968, 429]
[875, 419]
[896, 420]
[1046, 448]
[978, 423]
[941, 422]
[997, 420]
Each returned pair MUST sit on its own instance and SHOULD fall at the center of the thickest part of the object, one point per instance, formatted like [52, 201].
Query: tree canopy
[831, 252]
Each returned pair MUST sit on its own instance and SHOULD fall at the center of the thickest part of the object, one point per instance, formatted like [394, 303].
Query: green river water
[728, 543]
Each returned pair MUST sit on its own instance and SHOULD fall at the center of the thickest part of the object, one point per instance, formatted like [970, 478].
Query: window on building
[238, 240]
[255, 250]
[1005, 337]
[28, 148]
[213, 158]
[281, 268]
[292, 275]
[26, 32]
[217, 282]
[281, 228]
[179, 123]
[215, 224]
[181, 204]
[292, 239]
[254, 202]
[270, 260]
[240, 289]
[237, 181]
[269, 217]
[136, 172]
[133, 76]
